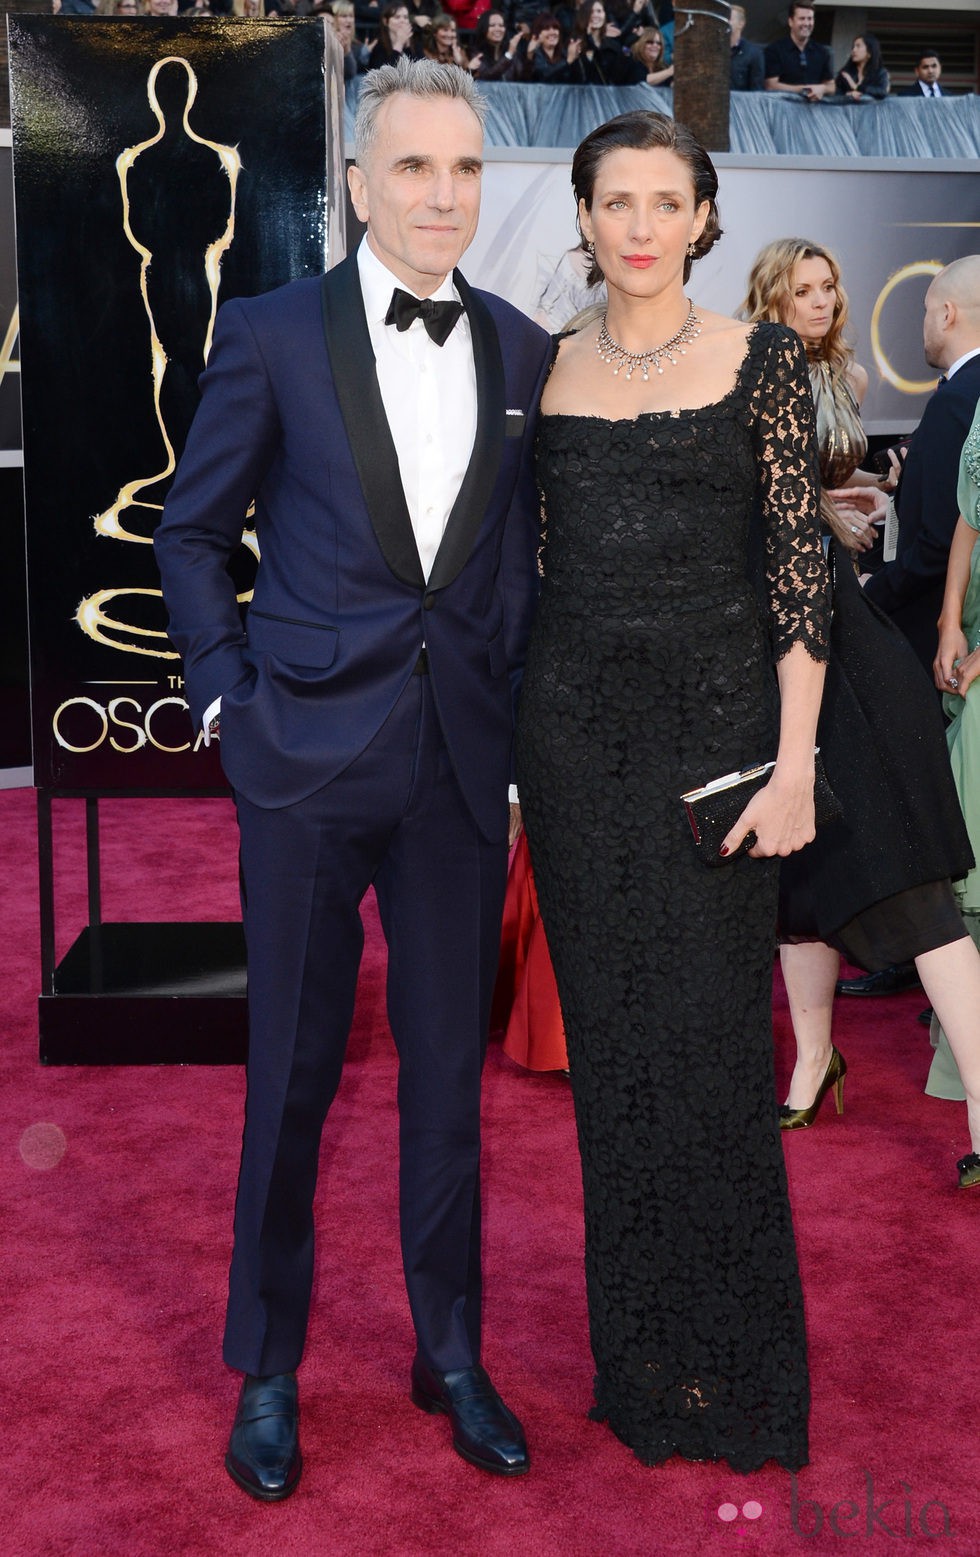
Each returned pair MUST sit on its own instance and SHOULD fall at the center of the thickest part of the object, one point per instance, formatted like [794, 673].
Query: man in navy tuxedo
[382, 419]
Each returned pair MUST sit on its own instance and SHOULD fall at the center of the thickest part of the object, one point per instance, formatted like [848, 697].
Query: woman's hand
[475, 62]
[869, 500]
[951, 653]
[965, 673]
[853, 528]
[574, 50]
[952, 648]
[781, 815]
[895, 461]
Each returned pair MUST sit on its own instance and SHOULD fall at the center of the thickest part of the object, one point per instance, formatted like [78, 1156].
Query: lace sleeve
[789, 484]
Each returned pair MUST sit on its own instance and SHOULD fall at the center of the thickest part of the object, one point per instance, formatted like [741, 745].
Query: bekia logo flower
[729, 1512]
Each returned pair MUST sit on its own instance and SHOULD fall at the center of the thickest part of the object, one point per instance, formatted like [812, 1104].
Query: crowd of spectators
[591, 44]
[594, 43]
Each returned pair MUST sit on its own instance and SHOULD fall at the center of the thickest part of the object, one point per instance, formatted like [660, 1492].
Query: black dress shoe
[485, 1432]
[263, 1452]
[889, 981]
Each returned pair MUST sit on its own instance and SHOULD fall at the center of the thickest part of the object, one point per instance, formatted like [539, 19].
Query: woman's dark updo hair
[644, 130]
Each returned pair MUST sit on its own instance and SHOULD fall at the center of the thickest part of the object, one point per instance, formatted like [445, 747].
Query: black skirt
[883, 744]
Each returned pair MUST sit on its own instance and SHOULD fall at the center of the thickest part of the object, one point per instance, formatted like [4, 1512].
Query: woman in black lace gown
[650, 671]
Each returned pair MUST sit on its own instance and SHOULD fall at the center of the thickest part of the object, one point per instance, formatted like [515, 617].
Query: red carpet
[115, 1207]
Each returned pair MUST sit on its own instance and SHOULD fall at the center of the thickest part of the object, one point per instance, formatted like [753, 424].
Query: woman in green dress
[957, 666]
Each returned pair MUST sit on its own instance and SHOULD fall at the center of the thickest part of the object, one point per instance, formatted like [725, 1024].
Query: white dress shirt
[429, 396]
[960, 362]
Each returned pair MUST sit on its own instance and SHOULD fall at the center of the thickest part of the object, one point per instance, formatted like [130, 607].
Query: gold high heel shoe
[799, 1118]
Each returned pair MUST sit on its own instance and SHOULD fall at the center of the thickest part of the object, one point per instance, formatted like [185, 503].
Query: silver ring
[952, 681]
[854, 529]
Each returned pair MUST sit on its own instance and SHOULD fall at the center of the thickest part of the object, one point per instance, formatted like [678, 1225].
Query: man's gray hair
[416, 78]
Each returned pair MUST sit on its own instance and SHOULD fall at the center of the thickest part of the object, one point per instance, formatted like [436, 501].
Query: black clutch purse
[714, 808]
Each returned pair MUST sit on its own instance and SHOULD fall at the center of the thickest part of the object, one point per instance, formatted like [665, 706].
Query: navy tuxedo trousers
[395, 818]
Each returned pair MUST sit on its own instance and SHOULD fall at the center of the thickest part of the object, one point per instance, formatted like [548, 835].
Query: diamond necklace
[611, 351]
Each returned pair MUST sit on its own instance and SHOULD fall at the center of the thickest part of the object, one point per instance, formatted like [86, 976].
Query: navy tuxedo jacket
[910, 589]
[291, 415]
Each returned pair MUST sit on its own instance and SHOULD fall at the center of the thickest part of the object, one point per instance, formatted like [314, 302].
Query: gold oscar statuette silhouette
[179, 290]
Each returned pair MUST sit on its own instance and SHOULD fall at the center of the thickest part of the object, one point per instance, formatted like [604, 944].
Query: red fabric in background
[116, 1403]
[526, 1012]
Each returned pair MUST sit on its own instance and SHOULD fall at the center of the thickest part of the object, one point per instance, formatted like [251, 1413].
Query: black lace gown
[650, 671]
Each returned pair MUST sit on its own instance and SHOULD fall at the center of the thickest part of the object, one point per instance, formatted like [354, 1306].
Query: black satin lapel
[481, 473]
[356, 382]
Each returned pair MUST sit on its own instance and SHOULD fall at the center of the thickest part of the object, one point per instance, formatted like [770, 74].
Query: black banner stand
[135, 994]
[160, 168]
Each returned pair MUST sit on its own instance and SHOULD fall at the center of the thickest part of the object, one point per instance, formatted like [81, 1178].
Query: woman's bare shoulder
[723, 328]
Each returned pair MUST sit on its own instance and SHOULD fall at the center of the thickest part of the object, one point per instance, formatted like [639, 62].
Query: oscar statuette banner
[161, 165]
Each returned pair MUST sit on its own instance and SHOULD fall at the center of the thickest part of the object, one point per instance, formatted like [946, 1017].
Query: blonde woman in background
[796, 282]
[649, 60]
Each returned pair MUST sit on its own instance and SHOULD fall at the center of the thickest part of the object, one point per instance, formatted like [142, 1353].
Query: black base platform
[148, 994]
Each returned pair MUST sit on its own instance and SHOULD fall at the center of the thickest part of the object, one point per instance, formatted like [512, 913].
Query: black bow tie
[439, 318]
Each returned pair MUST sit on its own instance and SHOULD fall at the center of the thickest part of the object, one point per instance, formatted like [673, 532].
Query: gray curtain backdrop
[764, 123]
